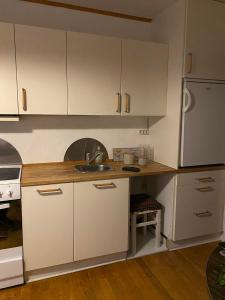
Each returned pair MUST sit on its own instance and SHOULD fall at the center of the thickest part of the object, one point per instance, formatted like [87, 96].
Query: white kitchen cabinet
[47, 212]
[41, 70]
[98, 86]
[199, 202]
[94, 70]
[205, 43]
[101, 210]
[8, 87]
[144, 78]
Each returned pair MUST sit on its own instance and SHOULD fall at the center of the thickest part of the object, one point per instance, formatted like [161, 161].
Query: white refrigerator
[203, 123]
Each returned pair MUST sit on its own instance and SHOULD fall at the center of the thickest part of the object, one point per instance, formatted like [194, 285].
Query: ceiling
[141, 8]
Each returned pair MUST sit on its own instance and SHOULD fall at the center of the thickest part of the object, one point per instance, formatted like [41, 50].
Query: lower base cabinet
[47, 225]
[199, 204]
[101, 210]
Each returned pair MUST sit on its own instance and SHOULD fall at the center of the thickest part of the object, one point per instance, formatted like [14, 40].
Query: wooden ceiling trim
[90, 10]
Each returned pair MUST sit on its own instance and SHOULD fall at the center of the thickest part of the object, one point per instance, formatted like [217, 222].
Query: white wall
[169, 27]
[46, 138]
[16, 11]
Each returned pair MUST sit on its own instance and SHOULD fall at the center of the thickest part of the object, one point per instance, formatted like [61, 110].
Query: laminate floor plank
[175, 275]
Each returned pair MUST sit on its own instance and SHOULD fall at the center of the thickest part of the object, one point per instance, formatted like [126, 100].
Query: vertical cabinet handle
[127, 103]
[24, 99]
[189, 62]
[118, 103]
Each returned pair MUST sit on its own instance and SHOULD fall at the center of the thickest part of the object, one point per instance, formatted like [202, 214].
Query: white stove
[11, 241]
[10, 182]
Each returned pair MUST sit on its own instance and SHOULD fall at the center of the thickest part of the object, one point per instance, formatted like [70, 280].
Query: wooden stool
[143, 206]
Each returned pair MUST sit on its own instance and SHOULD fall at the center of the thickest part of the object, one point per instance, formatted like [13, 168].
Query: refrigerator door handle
[187, 105]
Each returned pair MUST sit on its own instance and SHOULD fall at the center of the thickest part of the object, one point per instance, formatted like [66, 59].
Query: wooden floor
[169, 275]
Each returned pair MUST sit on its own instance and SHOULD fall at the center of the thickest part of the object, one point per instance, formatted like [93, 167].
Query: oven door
[10, 224]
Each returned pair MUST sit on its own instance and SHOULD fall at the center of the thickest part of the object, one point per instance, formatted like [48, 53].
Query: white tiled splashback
[46, 138]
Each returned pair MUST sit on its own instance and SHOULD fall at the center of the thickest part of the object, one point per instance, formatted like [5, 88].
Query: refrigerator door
[203, 124]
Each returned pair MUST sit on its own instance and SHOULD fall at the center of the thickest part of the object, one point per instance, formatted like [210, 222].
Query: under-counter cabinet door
[8, 87]
[100, 218]
[144, 78]
[94, 72]
[47, 225]
[205, 42]
[41, 67]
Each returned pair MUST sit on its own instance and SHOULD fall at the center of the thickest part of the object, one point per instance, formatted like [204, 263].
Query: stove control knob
[1, 194]
[10, 193]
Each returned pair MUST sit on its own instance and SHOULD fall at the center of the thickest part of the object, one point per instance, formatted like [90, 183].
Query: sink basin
[93, 168]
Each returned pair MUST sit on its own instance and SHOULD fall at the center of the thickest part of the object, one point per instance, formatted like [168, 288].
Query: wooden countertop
[63, 172]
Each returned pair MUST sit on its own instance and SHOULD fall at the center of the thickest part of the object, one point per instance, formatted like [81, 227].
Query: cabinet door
[41, 67]
[205, 42]
[8, 88]
[100, 218]
[198, 210]
[47, 225]
[94, 67]
[144, 78]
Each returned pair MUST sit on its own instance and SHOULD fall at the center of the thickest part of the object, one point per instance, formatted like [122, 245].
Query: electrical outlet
[144, 132]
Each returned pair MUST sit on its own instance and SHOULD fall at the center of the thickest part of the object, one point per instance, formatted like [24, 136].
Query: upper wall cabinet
[205, 42]
[144, 78]
[8, 88]
[99, 85]
[94, 67]
[41, 67]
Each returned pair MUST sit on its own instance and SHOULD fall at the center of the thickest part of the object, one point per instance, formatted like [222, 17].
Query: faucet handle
[87, 157]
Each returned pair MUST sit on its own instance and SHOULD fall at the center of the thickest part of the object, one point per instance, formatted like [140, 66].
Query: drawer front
[198, 211]
[203, 178]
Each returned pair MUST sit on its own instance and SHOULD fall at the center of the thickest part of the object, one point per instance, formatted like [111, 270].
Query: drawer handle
[24, 99]
[50, 191]
[105, 186]
[205, 189]
[205, 179]
[203, 214]
[5, 206]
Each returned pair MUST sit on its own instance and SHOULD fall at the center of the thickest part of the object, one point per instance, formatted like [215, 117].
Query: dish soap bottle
[98, 156]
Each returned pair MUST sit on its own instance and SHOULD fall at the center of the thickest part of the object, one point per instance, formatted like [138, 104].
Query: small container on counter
[128, 158]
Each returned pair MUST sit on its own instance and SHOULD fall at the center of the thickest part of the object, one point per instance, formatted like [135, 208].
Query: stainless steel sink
[93, 168]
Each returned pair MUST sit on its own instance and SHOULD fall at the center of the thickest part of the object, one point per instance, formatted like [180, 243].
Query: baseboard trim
[49, 272]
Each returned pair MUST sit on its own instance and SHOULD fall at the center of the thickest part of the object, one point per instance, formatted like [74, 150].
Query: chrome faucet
[90, 160]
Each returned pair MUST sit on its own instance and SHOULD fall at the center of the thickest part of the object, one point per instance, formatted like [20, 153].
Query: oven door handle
[5, 206]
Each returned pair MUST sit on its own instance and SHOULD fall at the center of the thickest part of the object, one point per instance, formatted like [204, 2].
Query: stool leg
[145, 227]
[158, 229]
[133, 233]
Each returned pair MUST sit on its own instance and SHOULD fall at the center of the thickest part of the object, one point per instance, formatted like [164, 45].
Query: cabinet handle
[105, 186]
[205, 179]
[50, 191]
[5, 206]
[118, 103]
[189, 62]
[205, 189]
[24, 99]
[127, 105]
[203, 214]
